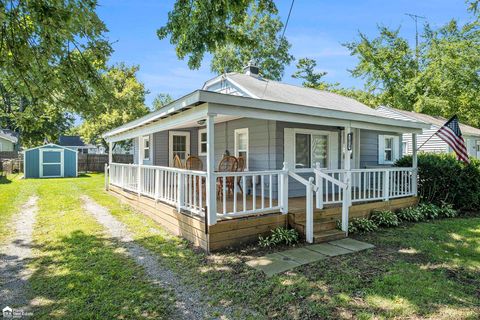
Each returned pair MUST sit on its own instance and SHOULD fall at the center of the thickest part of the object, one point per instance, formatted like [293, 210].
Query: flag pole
[427, 139]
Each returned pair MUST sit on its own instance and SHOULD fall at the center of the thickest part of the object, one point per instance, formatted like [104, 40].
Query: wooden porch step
[330, 235]
[317, 226]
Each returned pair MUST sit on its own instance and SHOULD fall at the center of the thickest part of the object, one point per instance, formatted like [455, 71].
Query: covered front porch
[312, 158]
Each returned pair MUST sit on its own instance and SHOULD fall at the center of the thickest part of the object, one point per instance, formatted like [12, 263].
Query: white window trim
[40, 162]
[200, 131]
[236, 132]
[145, 138]
[381, 148]
[330, 157]
[170, 144]
[1, 146]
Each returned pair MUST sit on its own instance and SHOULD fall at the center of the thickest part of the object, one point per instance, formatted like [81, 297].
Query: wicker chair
[227, 164]
[177, 162]
[241, 168]
[194, 163]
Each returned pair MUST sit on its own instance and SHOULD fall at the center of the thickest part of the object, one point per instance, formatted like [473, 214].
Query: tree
[127, 104]
[199, 27]
[264, 45]
[388, 66]
[306, 71]
[52, 54]
[161, 100]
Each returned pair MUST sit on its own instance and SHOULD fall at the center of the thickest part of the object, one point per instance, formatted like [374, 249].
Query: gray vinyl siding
[369, 147]
[161, 146]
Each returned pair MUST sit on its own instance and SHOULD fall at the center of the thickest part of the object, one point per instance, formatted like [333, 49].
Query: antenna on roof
[415, 18]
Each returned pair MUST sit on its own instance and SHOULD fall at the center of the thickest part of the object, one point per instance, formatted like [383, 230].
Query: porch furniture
[194, 163]
[227, 164]
[241, 168]
[177, 162]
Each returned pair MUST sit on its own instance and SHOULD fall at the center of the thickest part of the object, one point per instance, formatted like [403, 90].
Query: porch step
[329, 235]
[325, 225]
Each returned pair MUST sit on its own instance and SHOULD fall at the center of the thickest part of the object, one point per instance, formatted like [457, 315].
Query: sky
[316, 30]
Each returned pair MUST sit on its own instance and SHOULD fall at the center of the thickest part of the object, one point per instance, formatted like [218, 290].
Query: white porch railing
[367, 184]
[184, 189]
[263, 191]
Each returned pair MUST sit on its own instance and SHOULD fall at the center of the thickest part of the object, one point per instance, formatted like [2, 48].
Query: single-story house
[245, 154]
[76, 143]
[50, 161]
[435, 144]
[8, 140]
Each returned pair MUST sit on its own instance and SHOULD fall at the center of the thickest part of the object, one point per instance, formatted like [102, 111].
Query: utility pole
[415, 18]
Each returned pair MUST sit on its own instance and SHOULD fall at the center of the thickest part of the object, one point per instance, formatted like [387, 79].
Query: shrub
[411, 214]
[279, 236]
[428, 211]
[384, 218]
[447, 211]
[361, 225]
[443, 179]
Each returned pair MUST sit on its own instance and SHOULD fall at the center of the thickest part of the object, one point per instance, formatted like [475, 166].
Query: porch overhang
[198, 104]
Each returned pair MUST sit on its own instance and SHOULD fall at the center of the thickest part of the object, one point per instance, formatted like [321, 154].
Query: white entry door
[179, 144]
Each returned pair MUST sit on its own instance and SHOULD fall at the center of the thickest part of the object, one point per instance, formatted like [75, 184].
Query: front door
[179, 144]
[51, 163]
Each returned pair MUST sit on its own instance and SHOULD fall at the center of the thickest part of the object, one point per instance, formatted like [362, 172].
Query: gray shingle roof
[70, 141]
[282, 92]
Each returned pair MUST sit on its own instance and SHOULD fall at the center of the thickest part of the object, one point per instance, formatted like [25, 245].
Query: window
[309, 149]
[146, 148]
[388, 149]
[202, 142]
[241, 144]
[404, 148]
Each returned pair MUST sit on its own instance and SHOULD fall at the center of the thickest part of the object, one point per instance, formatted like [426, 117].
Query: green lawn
[424, 270]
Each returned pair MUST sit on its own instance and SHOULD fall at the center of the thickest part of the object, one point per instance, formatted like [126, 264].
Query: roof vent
[251, 69]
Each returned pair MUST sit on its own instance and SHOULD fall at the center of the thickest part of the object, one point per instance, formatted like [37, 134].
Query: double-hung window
[311, 148]
[241, 144]
[202, 142]
[146, 148]
[388, 149]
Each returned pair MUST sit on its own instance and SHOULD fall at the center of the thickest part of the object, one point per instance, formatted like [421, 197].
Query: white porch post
[107, 172]
[319, 184]
[211, 183]
[348, 164]
[110, 153]
[414, 164]
[283, 189]
[139, 168]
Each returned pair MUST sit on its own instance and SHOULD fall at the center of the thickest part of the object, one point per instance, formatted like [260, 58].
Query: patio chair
[177, 162]
[227, 164]
[240, 168]
[194, 163]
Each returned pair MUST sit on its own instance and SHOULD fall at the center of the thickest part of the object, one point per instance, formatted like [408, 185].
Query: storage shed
[50, 161]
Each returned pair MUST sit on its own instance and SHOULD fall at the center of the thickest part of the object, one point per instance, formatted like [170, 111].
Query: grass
[424, 270]
[13, 193]
[78, 273]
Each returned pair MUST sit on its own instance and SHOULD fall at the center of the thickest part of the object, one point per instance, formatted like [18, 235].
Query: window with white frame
[388, 149]
[404, 147]
[241, 144]
[202, 142]
[311, 148]
[146, 148]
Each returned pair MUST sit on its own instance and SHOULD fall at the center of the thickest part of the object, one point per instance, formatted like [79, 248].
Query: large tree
[51, 57]
[265, 46]
[161, 100]
[199, 27]
[443, 80]
[126, 104]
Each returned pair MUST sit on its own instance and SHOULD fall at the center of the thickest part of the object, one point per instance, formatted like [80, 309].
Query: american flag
[451, 134]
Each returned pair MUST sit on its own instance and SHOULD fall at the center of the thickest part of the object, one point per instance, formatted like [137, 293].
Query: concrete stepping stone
[328, 249]
[352, 244]
[303, 256]
[272, 264]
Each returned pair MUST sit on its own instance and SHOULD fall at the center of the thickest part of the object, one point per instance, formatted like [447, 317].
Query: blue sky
[316, 30]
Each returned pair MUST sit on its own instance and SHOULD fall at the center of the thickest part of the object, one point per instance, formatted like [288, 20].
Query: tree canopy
[127, 103]
[52, 54]
[161, 100]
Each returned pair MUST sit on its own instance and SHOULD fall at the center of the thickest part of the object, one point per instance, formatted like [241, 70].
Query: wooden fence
[9, 166]
[96, 162]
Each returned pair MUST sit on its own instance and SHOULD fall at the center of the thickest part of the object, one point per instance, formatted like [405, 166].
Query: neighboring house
[283, 132]
[470, 134]
[8, 140]
[76, 143]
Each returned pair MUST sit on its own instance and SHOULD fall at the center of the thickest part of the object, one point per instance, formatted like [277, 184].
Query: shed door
[51, 163]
